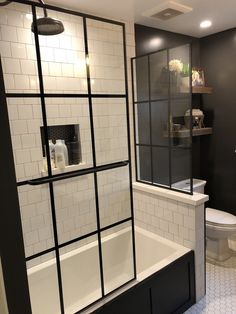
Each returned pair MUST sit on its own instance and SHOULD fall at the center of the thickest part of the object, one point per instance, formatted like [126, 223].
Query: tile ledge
[195, 199]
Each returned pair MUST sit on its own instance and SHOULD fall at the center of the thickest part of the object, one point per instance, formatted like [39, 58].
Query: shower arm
[44, 9]
[4, 3]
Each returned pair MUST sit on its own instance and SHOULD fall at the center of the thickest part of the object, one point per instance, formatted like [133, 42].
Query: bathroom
[101, 210]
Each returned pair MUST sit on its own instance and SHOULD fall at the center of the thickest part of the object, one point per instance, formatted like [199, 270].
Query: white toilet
[220, 226]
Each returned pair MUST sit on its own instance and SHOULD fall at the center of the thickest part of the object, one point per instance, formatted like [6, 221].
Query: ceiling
[221, 13]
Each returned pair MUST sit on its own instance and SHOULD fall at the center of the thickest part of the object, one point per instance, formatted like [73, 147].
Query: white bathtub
[80, 269]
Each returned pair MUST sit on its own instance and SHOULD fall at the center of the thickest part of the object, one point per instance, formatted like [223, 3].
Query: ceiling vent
[167, 10]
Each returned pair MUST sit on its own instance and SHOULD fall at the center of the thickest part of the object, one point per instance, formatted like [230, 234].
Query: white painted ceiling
[222, 13]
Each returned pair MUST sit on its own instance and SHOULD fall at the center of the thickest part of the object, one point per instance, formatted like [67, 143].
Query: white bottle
[65, 153]
[52, 153]
[60, 155]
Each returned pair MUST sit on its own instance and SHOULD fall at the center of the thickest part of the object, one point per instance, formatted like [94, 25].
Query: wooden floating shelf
[201, 90]
[186, 133]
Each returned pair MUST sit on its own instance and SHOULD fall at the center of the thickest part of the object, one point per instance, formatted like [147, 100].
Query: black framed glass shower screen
[161, 83]
[60, 85]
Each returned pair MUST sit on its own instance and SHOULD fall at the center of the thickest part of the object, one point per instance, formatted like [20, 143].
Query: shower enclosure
[163, 118]
[70, 87]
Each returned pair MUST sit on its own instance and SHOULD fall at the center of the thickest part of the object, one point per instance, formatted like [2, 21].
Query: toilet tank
[198, 185]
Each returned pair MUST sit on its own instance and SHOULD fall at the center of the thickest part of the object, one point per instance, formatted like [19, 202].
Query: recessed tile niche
[69, 133]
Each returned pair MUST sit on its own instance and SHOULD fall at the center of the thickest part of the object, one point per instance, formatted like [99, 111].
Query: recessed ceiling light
[205, 24]
[155, 42]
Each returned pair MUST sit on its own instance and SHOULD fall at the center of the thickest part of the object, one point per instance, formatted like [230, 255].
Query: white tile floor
[221, 289]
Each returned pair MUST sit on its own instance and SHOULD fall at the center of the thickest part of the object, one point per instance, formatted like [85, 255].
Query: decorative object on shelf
[198, 78]
[197, 119]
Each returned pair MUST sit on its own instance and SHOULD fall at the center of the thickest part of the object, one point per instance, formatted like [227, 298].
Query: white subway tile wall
[106, 57]
[36, 218]
[17, 48]
[176, 221]
[25, 120]
[75, 207]
[110, 127]
[114, 195]
[63, 56]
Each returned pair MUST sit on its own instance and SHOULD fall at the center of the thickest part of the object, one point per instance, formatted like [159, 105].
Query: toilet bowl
[220, 226]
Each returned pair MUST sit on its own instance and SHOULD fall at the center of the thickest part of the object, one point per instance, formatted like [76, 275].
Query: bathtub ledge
[196, 199]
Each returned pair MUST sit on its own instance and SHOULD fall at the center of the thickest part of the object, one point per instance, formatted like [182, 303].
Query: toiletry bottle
[75, 151]
[65, 153]
[52, 153]
[60, 155]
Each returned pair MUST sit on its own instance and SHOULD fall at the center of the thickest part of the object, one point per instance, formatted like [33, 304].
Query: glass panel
[36, 218]
[179, 66]
[180, 122]
[160, 160]
[144, 163]
[63, 56]
[159, 76]
[110, 128]
[25, 121]
[43, 285]
[80, 274]
[117, 253]
[114, 195]
[159, 123]
[75, 207]
[142, 123]
[17, 49]
[181, 169]
[106, 57]
[68, 120]
[141, 79]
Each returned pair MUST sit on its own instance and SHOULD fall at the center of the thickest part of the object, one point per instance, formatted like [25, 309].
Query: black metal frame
[92, 170]
[151, 145]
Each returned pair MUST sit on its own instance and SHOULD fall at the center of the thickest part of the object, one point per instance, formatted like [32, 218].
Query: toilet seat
[220, 219]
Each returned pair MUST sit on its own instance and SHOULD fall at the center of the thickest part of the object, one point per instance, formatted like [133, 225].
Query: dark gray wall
[150, 39]
[218, 158]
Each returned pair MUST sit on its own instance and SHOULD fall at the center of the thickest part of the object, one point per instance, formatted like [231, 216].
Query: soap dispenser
[60, 155]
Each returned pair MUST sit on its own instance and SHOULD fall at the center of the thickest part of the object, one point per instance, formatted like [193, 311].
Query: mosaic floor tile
[221, 289]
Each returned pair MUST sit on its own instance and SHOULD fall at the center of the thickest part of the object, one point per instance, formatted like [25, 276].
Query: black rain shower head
[47, 25]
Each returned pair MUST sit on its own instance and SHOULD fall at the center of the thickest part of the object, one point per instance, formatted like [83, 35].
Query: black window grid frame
[170, 147]
[92, 170]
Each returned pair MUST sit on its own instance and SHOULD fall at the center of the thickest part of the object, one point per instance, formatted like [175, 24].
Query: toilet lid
[220, 217]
